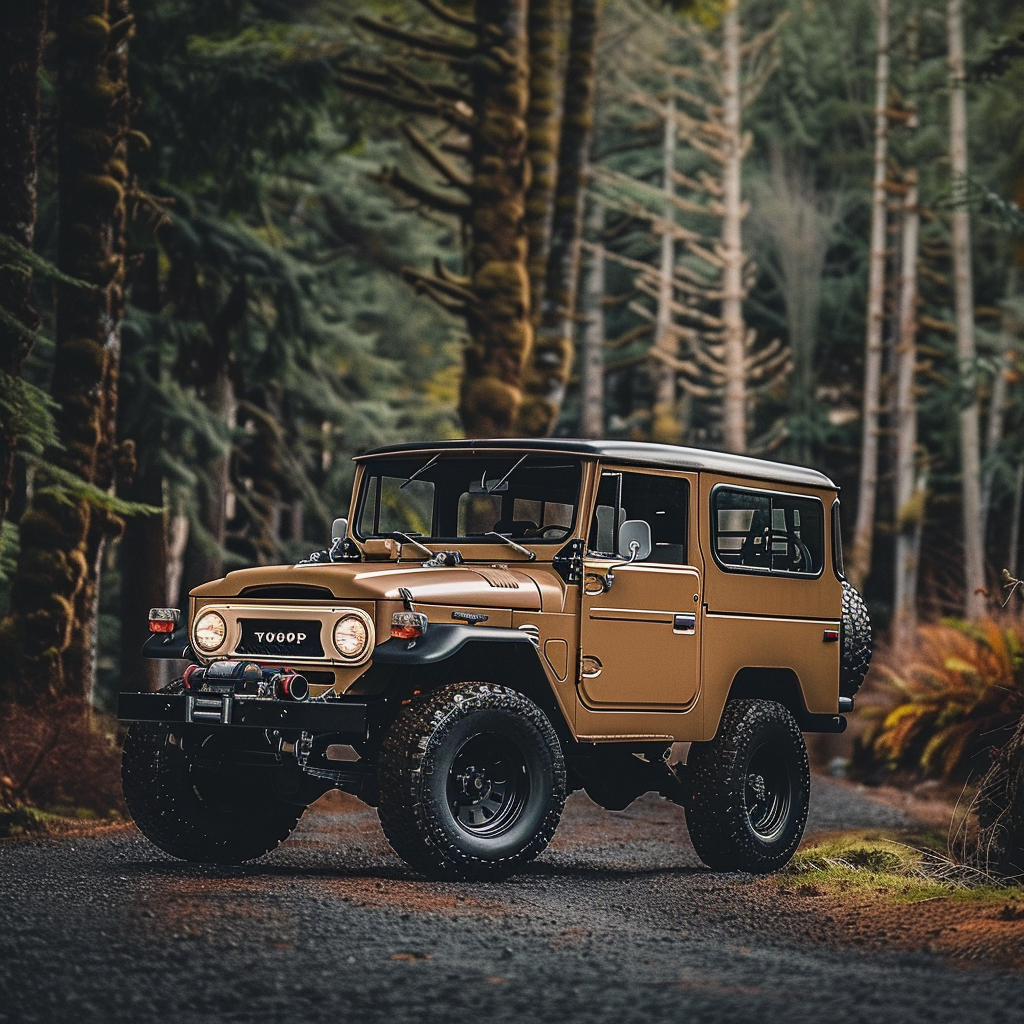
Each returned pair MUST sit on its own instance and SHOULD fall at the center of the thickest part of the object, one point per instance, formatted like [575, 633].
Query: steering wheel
[804, 553]
[563, 531]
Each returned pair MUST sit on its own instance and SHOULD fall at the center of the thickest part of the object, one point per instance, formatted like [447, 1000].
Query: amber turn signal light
[163, 620]
[408, 625]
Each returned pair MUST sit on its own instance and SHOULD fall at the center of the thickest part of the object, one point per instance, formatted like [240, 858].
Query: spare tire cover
[855, 637]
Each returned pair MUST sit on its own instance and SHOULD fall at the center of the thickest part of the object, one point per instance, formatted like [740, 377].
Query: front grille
[280, 638]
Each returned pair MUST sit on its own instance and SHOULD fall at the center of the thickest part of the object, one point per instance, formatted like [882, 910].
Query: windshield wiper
[494, 487]
[398, 535]
[422, 469]
[532, 555]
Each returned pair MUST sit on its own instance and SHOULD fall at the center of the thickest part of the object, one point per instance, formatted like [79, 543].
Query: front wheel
[751, 789]
[222, 815]
[472, 782]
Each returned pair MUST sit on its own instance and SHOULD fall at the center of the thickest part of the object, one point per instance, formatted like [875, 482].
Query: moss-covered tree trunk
[544, 125]
[498, 318]
[592, 316]
[50, 631]
[142, 553]
[501, 335]
[21, 47]
[733, 260]
[552, 355]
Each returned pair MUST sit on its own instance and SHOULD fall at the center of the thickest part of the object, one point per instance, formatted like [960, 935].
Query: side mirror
[339, 531]
[634, 540]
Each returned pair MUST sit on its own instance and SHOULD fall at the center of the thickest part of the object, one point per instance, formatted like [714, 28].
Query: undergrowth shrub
[60, 757]
[959, 692]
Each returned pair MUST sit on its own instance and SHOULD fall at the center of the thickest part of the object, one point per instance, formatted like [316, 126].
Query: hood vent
[500, 578]
[289, 592]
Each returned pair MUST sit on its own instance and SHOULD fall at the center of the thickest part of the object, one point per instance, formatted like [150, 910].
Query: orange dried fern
[960, 692]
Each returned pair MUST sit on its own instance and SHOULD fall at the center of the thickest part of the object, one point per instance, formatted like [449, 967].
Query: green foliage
[27, 412]
[8, 553]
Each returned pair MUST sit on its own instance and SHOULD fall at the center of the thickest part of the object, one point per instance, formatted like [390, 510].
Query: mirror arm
[609, 576]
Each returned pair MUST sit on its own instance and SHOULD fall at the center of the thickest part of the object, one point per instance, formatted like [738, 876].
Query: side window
[661, 501]
[767, 532]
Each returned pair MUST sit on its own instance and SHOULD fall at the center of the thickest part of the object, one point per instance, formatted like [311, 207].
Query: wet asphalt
[616, 922]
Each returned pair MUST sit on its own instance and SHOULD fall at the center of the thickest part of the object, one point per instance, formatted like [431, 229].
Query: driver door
[640, 638]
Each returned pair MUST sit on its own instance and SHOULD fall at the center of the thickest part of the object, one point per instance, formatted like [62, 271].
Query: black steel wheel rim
[768, 793]
[488, 785]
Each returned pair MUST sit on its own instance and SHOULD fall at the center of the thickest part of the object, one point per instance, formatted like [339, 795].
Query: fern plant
[961, 692]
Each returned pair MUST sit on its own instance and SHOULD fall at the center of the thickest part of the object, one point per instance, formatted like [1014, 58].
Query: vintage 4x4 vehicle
[499, 623]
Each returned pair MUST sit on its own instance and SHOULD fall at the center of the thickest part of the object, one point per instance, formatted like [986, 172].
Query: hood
[476, 586]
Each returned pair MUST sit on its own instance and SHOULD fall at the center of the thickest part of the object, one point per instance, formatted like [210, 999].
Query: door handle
[684, 622]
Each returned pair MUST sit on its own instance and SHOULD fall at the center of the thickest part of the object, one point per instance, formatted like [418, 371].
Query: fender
[174, 646]
[441, 642]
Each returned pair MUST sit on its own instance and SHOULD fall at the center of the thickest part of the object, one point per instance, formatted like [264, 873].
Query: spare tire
[855, 638]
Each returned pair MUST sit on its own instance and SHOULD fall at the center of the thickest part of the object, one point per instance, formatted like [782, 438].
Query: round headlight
[209, 631]
[351, 636]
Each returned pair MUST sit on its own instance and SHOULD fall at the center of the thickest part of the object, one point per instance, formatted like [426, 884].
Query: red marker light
[408, 625]
[163, 620]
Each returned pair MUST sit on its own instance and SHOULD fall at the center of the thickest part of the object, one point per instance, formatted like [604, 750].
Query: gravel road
[616, 922]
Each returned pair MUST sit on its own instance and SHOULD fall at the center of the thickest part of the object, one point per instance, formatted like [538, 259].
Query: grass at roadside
[909, 869]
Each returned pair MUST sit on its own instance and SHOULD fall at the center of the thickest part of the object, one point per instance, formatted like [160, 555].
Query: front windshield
[460, 498]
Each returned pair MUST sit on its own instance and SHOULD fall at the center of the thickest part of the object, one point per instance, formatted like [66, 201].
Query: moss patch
[913, 868]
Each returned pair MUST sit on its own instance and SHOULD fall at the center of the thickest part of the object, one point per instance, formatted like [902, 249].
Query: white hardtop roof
[640, 453]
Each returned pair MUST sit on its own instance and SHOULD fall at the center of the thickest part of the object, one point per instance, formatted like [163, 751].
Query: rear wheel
[222, 815]
[472, 782]
[751, 789]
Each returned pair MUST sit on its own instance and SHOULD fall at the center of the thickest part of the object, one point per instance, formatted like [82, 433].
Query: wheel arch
[507, 657]
[781, 685]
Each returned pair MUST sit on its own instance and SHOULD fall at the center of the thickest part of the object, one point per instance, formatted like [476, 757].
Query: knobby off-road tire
[751, 786]
[855, 637]
[472, 782]
[223, 816]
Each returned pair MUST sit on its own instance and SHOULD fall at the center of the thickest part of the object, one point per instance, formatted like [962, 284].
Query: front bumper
[349, 718]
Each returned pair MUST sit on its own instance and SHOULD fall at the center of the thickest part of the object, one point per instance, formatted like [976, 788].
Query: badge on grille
[279, 638]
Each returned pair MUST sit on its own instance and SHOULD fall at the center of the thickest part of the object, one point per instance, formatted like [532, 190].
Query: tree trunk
[499, 318]
[21, 48]
[142, 558]
[963, 291]
[544, 126]
[1013, 552]
[909, 500]
[664, 418]
[205, 556]
[1000, 396]
[592, 310]
[733, 330]
[552, 355]
[51, 629]
[859, 565]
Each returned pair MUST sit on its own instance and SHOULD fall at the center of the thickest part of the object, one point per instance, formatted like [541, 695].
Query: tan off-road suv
[499, 623]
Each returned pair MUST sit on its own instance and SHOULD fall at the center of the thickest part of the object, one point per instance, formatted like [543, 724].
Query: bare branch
[419, 41]
[422, 194]
[433, 157]
[425, 88]
[448, 16]
[369, 84]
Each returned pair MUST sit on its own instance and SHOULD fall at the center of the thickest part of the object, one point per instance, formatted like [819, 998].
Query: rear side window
[761, 531]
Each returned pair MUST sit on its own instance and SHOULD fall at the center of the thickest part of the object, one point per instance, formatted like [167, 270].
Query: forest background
[244, 240]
